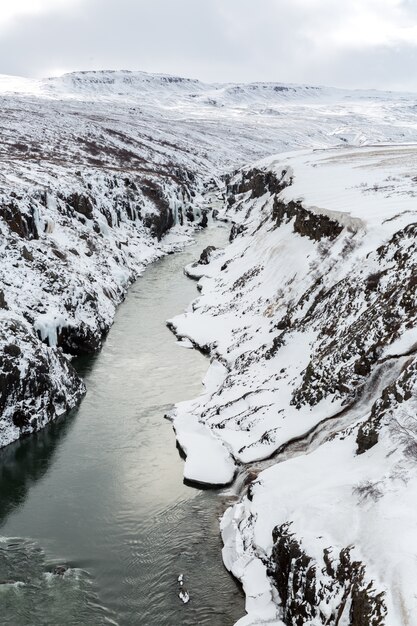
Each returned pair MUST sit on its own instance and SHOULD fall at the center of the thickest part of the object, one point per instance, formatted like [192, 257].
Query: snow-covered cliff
[310, 317]
[97, 167]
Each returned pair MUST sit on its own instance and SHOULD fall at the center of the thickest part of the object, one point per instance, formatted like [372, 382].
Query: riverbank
[102, 490]
[309, 317]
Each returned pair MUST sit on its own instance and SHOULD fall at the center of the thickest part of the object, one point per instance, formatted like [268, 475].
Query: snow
[185, 343]
[47, 325]
[324, 510]
[332, 497]
[406, 343]
[272, 306]
[184, 596]
[369, 185]
[234, 323]
[207, 459]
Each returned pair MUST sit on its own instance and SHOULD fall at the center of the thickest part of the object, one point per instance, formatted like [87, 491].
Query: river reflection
[103, 490]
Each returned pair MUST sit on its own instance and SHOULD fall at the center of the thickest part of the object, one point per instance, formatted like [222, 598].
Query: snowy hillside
[309, 314]
[96, 168]
[310, 318]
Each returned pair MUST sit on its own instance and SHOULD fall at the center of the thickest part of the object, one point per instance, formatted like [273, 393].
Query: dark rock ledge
[342, 583]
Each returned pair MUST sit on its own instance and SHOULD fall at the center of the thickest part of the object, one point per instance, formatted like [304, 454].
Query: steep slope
[97, 167]
[310, 316]
[87, 200]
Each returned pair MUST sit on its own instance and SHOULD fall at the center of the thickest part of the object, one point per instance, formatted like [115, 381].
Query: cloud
[11, 12]
[363, 43]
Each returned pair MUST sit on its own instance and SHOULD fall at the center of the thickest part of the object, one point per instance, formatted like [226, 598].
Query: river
[101, 491]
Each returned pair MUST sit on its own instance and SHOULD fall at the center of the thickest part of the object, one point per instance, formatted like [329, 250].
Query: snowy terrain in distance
[309, 314]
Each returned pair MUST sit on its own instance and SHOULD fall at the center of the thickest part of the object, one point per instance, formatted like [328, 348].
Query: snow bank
[312, 312]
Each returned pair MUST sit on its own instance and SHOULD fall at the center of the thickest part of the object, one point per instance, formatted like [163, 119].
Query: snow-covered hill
[310, 312]
[96, 168]
[310, 317]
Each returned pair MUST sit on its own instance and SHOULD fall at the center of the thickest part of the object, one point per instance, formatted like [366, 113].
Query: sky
[344, 43]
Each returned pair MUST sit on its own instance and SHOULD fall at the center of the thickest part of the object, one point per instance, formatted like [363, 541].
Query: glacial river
[101, 492]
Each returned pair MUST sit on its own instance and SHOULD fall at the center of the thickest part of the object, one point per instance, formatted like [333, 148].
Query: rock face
[341, 591]
[100, 171]
[22, 223]
[311, 312]
[306, 223]
[37, 383]
[205, 255]
[72, 240]
[69, 255]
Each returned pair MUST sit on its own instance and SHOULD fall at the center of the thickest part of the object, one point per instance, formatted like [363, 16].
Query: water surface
[101, 491]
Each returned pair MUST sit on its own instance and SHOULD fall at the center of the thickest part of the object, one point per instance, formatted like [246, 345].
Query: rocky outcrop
[37, 383]
[341, 591]
[206, 255]
[258, 182]
[81, 204]
[311, 312]
[70, 252]
[80, 340]
[308, 224]
[345, 354]
[20, 221]
[161, 220]
[384, 411]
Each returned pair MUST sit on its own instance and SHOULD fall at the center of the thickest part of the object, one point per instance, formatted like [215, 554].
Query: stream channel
[101, 491]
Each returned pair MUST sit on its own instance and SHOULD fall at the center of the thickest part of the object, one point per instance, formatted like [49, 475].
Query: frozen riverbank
[96, 168]
[309, 316]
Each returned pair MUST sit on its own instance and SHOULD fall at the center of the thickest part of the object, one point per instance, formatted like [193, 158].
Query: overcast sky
[348, 43]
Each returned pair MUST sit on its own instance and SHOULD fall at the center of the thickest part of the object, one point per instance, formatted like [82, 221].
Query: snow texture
[308, 315]
[102, 172]
[311, 312]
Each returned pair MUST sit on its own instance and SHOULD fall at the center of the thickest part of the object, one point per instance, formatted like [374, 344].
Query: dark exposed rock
[3, 303]
[59, 254]
[81, 204]
[205, 256]
[204, 220]
[27, 255]
[306, 223]
[21, 223]
[189, 214]
[80, 340]
[393, 395]
[236, 230]
[12, 349]
[372, 281]
[161, 221]
[20, 418]
[302, 590]
[36, 383]
[258, 182]
[367, 437]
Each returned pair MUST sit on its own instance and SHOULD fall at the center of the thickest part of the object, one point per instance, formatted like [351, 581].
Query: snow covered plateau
[309, 315]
